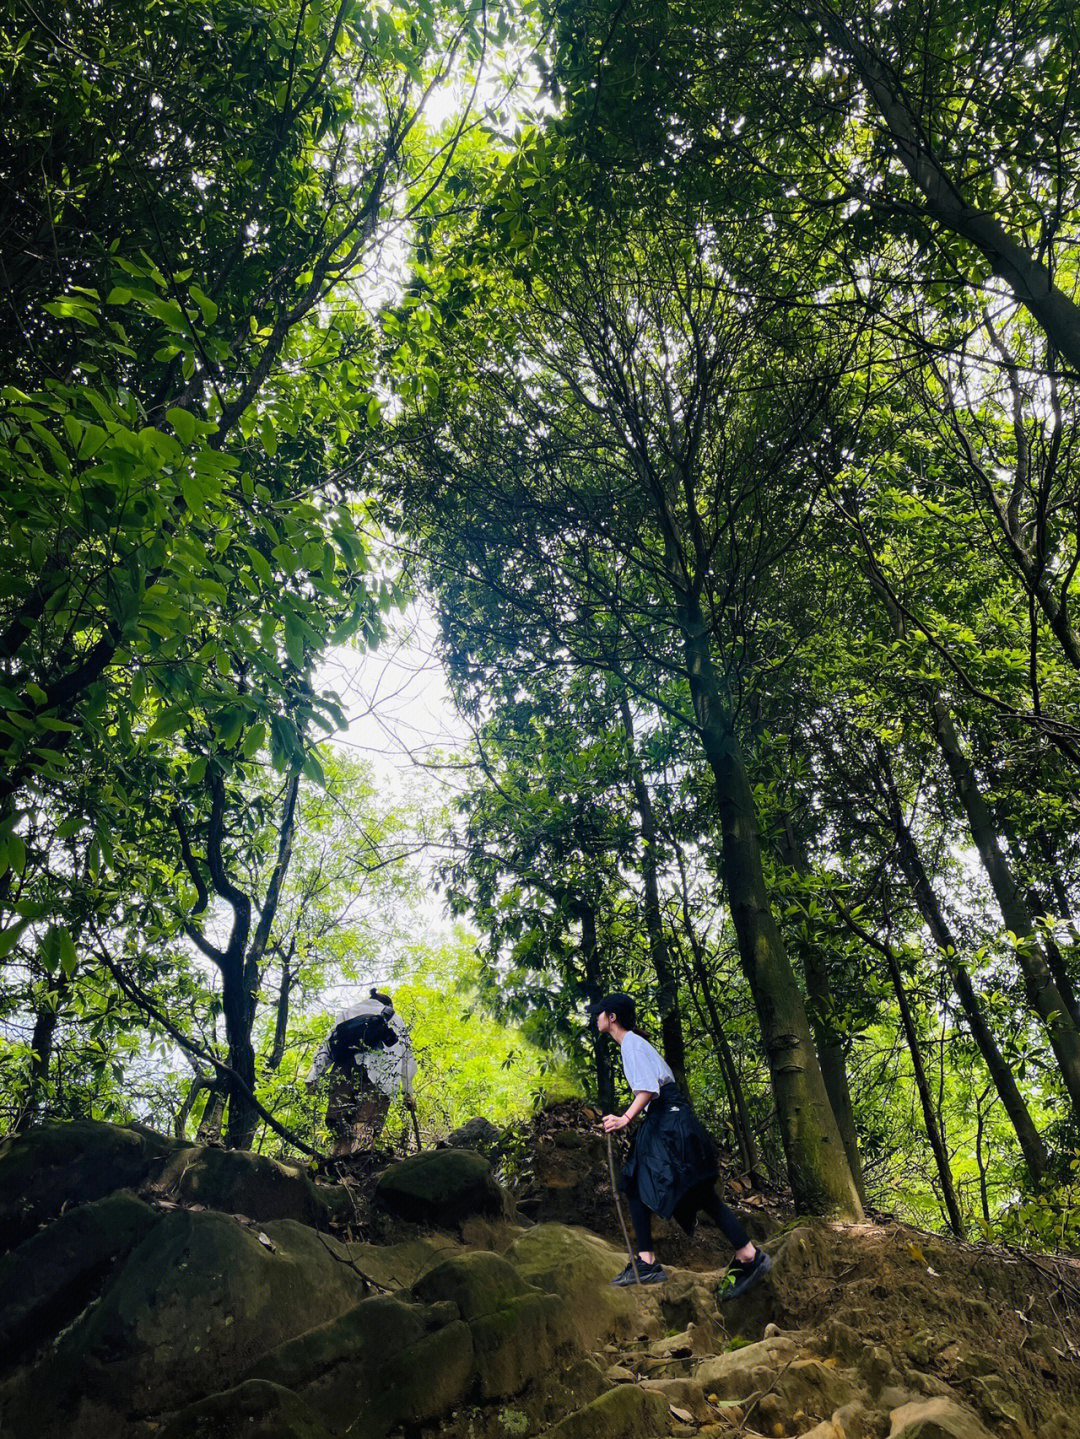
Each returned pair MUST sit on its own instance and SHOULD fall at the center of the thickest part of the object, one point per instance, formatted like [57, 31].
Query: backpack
[362, 1032]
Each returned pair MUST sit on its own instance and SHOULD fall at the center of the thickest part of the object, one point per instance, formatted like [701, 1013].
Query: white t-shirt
[643, 1066]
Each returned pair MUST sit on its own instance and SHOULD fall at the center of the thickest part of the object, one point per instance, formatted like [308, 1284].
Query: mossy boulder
[477, 1134]
[626, 1412]
[254, 1185]
[441, 1187]
[54, 1274]
[517, 1329]
[477, 1283]
[578, 1266]
[55, 1165]
[255, 1409]
[384, 1363]
[193, 1306]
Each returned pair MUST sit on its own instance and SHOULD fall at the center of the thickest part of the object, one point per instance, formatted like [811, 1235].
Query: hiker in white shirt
[369, 1058]
[672, 1166]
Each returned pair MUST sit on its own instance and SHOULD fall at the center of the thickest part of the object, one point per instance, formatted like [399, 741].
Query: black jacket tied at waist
[671, 1154]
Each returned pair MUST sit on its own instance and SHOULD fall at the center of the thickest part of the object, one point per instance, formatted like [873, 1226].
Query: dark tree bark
[594, 986]
[1043, 993]
[281, 1017]
[1030, 280]
[41, 1043]
[213, 1115]
[817, 1163]
[239, 962]
[830, 1045]
[668, 989]
[922, 1083]
[926, 901]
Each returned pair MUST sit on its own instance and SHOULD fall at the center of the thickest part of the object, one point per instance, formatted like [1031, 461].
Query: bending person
[672, 1168]
[370, 1059]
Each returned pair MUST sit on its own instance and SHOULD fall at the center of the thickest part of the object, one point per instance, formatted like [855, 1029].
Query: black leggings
[702, 1197]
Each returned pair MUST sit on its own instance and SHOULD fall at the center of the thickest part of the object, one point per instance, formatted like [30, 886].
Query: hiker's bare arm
[612, 1122]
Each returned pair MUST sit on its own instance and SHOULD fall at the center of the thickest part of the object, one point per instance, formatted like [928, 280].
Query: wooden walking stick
[416, 1129]
[618, 1209]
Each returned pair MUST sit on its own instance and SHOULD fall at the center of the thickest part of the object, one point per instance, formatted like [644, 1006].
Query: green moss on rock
[53, 1275]
[55, 1165]
[193, 1306]
[440, 1187]
[384, 1363]
[579, 1267]
[626, 1412]
[255, 1409]
[478, 1283]
[255, 1185]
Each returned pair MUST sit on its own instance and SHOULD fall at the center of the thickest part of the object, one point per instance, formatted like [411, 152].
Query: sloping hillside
[162, 1290]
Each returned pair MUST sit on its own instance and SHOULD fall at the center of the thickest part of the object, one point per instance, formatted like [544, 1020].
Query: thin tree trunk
[668, 990]
[817, 1164]
[41, 1043]
[926, 901]
[605, 1072]
[199, 1082]
[740, 1115]
[1043, 993]
[830, 1047]
[209, 1131]
[1031, 281]
[744, 1129]
[922, 1083]
[281, 1020]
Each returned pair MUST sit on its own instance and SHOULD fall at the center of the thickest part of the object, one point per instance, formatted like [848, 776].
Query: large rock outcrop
[143, 1317]
[188, 1312]
[48, 1169]
[441, 1187]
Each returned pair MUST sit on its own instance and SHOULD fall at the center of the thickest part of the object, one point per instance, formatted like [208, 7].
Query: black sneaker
[646, 1273]
[746, 1274]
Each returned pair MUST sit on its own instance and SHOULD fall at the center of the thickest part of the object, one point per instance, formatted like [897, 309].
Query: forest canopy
[708, 374]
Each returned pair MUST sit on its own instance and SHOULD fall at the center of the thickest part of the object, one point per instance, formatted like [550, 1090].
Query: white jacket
[388, 1069]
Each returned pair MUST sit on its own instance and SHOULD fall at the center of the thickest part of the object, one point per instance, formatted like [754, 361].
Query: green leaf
[183, 423]
[253, 741]
[66, 951]
[168, 722]
[205, 304]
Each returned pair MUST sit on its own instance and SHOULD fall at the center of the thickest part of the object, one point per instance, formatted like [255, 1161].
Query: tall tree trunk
[740, 1113]
[1042, 992]
[199, 1083]
[594, 987]
[668, 990]
[830, 1046]
[817, 1164]
[922, 1083]
[236, 1010]
[281, 1019]
[1050, 867]
[926, 900]
[1031, 281]
[213, 1115]
[41, 1043]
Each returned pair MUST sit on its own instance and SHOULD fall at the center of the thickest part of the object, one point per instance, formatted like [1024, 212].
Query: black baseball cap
[620, 1005]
